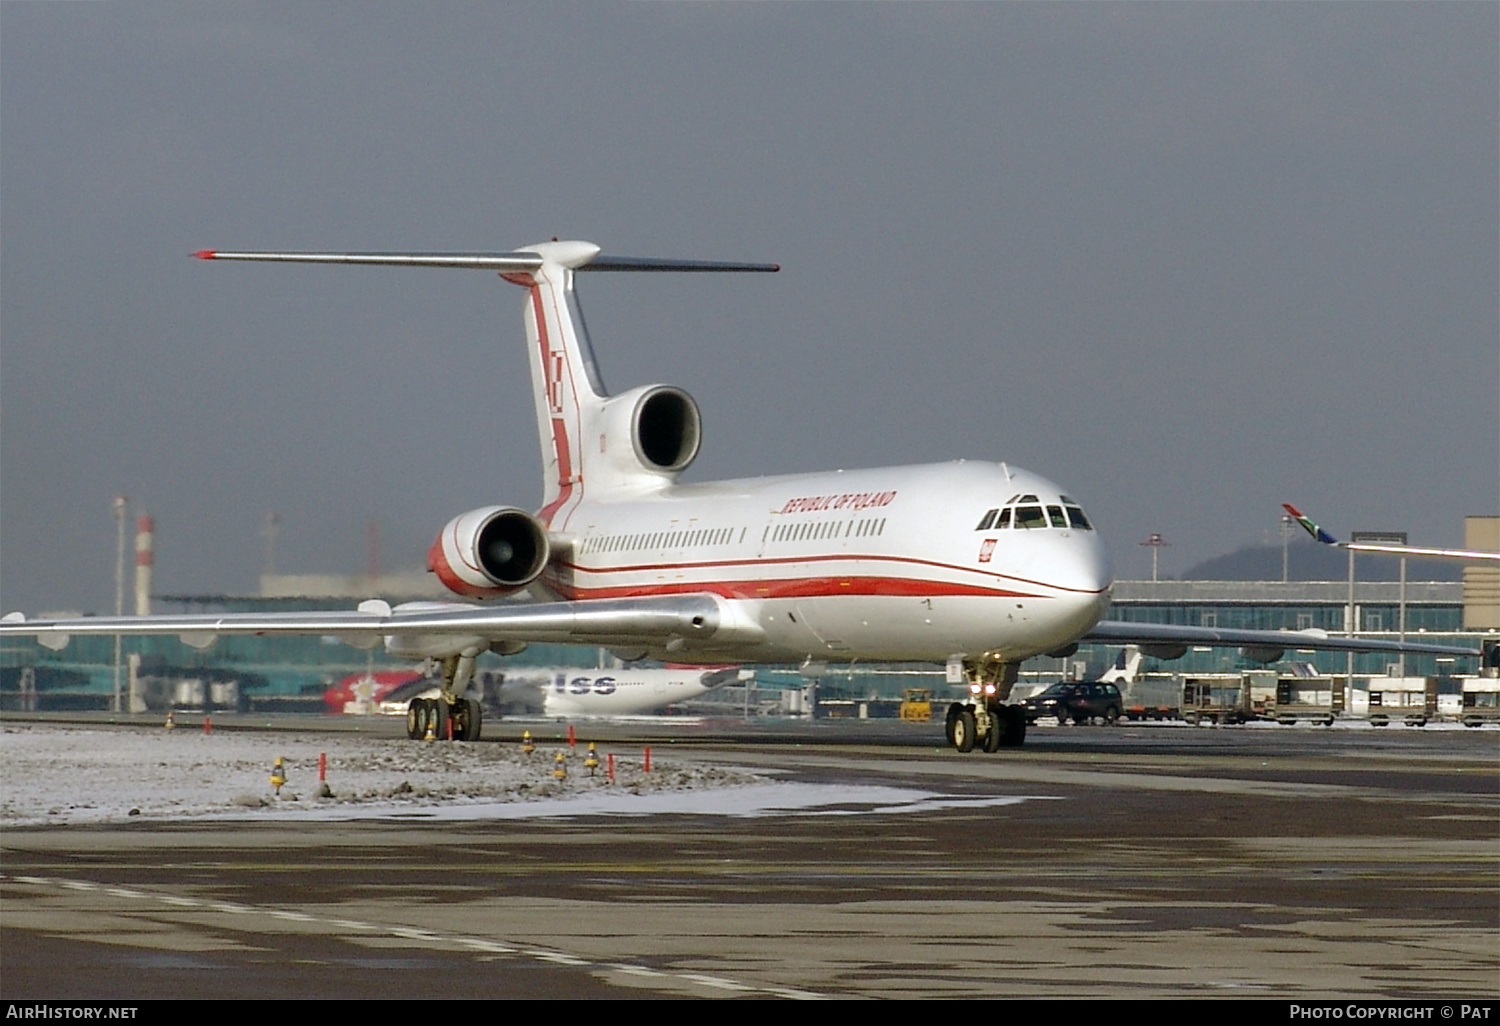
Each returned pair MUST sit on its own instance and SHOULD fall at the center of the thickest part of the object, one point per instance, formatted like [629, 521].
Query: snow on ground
[64, 776]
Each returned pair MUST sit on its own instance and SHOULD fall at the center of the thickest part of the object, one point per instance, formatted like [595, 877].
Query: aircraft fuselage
[883, 564]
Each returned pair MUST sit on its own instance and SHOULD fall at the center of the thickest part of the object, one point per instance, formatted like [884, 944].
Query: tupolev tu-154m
[973, 564]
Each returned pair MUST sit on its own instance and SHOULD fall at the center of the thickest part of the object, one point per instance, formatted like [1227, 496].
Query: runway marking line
[634, 970]
[713, 981]
[556, 956]
[419, 934]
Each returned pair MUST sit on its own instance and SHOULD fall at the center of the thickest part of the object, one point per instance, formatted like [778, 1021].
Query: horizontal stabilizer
[580, 256]
[503, 262]
[618, 263]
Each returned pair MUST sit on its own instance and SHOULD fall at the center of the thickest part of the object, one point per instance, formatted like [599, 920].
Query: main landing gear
[437, 716]
[449, 715]
[985, 720]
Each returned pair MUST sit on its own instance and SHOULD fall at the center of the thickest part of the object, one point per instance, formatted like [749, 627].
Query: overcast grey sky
[1188, 260]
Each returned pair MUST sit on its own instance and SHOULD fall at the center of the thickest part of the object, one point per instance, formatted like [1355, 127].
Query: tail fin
[1307, 525]
[565, 381]
[570, 396]
[1384, 544]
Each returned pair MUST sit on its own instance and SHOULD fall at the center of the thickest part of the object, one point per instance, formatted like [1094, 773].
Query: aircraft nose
[1084, 568]
[1086, 574]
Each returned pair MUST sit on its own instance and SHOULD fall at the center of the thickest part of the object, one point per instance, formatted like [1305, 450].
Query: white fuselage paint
[584, 692]
[626, 692]
[882, 564]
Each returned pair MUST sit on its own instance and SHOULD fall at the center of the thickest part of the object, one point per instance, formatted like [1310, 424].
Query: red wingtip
[206, 254]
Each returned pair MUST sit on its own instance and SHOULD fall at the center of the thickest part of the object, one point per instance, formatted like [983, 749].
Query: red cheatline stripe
[846, 558]
[798, 587]
[559, 426]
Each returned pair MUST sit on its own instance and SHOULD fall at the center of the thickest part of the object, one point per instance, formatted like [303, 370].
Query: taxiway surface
[1295, 863]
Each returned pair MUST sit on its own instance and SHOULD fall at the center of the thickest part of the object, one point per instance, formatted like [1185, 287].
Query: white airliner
[972, 564]
[553, 691]
[627, 691]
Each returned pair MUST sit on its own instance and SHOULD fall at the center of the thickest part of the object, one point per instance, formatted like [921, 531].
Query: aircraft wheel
[963, 730]
[1015, 726]
[473, 720]
[953, 711]
[441, 711]
[995, 736]
[416, 719]
[428, 718]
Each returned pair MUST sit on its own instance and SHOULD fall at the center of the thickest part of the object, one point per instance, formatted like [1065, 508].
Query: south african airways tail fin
[1388, 549]
[1307, 525]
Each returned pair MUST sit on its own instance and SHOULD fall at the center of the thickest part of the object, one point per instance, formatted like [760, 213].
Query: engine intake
[489, 552]
[655, 428]
[667, 429]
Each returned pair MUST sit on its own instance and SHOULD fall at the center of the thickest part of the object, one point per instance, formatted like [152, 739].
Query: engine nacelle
[490, 552]
[1262, 653]
[653, 429]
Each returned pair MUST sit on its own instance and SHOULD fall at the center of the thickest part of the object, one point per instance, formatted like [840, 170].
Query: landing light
[974, 689]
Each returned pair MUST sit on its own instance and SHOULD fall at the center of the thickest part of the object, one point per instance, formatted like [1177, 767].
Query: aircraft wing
[606, 622]
[1122, 632]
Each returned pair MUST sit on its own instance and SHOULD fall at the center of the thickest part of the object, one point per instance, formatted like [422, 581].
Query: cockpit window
[1077, 519]
[1026, 498]
[1030, 516]
[1004, 520]
[1056, 513]
[986, 520]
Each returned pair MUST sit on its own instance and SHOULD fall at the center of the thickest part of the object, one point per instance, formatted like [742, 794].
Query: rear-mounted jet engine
[490, 552]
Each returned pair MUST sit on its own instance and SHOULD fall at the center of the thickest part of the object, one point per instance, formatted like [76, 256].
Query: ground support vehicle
[1320, 700]
[1409, 700]
[1153, 697]
[1215, 698]
[916, 705]
[1481, 701]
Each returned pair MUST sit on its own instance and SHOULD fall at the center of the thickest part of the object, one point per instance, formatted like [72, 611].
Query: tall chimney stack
[145, 529]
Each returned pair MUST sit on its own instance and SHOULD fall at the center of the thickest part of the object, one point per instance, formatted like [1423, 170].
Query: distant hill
[1308, 561]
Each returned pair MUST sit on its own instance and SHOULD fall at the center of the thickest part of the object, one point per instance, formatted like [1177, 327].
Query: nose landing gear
[985, 719]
